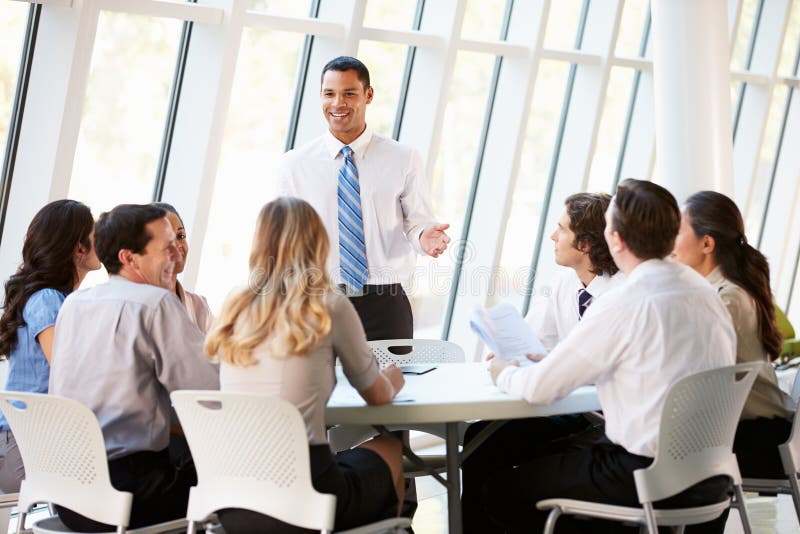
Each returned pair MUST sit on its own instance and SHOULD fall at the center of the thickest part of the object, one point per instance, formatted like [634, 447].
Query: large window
[125, 110]
[578, 74]
[255, 136]
[13, 18]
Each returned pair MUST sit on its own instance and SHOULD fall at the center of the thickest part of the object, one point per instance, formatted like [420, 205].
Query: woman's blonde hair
[285, 304]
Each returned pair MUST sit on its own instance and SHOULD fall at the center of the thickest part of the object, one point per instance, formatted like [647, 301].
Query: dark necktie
[584, 299]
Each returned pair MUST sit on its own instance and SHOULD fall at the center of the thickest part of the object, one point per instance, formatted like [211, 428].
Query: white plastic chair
[251, 452]
[422, 351]
[65, 462]
[790, 458]
[695, 442]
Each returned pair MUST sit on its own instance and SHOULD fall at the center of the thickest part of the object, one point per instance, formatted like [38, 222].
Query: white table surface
[451, 392]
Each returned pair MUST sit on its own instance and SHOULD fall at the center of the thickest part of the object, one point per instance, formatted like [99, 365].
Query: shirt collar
[715, 277]
[644, 268]
[359, 145]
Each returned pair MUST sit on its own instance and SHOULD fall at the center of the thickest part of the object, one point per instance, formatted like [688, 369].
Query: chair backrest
[422, 351]
[251, 452]
[698, 424]
[64, 455]
[790, 451]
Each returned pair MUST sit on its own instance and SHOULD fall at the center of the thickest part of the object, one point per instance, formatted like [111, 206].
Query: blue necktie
[352, 248]
[584, 299]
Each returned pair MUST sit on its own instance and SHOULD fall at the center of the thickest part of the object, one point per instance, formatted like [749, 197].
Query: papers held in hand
[505, 332]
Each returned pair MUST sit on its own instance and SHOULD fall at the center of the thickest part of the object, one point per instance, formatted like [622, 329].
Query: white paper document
[505, 332]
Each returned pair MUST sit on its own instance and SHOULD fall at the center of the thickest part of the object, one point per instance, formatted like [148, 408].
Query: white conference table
[450, 394]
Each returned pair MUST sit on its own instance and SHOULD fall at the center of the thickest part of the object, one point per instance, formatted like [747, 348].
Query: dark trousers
[516, 442]
[385, 312]
[756, 447]
[602, 472]
[160, 490]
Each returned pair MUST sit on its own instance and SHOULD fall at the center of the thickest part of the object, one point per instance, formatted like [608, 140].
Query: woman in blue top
[57, 254]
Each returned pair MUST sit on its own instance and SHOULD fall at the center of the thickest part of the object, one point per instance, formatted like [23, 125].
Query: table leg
[453, 479]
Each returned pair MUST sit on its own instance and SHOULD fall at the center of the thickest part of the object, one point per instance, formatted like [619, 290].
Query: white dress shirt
[554, 312]
[395, 201]
[663, 323]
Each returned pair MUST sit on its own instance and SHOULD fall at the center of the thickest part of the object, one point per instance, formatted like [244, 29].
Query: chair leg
[650, 518]
[740, 505]
[680, 529]
[190, 527]
[120, 529]
[21, 521]
[795, 487]
[550, 525]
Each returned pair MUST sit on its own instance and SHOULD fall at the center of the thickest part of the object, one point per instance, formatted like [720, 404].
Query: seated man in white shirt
[587, 272]
[120, 348]
[626, 344]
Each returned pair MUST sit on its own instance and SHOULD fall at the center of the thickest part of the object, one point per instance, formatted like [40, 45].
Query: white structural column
[200, 122]
[431, 75]
[694, 139]
[51, 119]
[500, 167]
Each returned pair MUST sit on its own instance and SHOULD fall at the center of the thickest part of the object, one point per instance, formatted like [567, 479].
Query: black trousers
[160, 490]
[515, 443]
[385, 312]
[602, 472]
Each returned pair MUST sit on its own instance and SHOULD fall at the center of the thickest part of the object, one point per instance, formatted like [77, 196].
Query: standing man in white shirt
[587, 272]
[662, 324]
[372, 196]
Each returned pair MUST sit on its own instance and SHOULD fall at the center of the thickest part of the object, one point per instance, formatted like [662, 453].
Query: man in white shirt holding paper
[587, 271]
[662, 324]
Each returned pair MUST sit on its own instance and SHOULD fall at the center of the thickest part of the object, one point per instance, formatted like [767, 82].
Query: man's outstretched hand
[434, 240]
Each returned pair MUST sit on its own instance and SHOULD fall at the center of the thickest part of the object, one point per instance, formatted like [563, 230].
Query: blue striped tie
[352, 248]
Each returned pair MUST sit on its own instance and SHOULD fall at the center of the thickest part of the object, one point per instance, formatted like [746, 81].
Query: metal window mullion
[748, 63]
[632, 103]
[459, 264]
[412, 52]
[18, 109]
[562, 123]
[172, 112]
[302, 76]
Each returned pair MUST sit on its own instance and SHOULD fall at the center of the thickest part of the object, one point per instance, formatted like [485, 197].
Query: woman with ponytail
[711, 240]
[281, 336]
[57, 253]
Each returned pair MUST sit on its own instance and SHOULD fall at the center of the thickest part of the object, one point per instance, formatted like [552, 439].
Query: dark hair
[587, 219]
[344, 63]
[713, 214]
[647, 218]
[123, 228]
[48, 261]
[168, 208]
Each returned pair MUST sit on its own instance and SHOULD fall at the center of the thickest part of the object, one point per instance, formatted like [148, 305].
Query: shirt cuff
[504, 378]
[414, 234]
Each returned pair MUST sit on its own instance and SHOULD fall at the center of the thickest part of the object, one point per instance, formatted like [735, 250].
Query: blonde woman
[281, 336]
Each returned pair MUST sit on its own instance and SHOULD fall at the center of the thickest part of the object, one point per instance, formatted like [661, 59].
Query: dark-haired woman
[57, 254]
[196, 305]
[711, 240]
